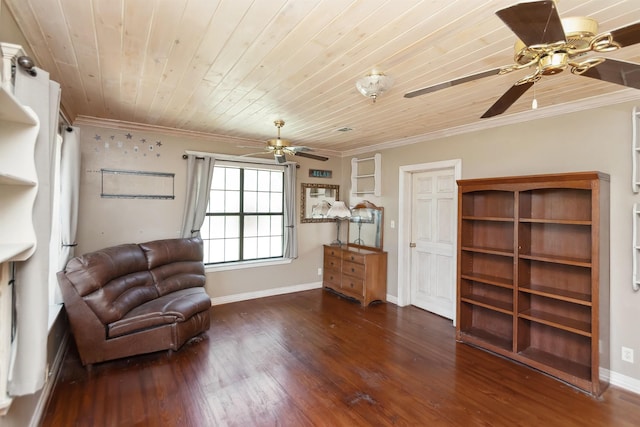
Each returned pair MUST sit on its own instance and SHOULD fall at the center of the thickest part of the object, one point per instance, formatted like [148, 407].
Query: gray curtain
[290, 230]
[28, 371]
[199, 175]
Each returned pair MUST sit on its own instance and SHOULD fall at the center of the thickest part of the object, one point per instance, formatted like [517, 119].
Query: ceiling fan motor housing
[578, 30]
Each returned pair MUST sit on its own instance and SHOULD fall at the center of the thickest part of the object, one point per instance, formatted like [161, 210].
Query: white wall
[588, 140]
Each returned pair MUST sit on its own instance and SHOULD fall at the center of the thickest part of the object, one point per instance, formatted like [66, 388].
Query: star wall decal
[129, 136]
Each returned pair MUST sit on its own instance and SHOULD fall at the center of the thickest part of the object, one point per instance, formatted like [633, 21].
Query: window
[245, 215]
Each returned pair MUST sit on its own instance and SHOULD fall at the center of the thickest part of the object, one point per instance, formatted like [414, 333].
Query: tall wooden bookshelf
[533, 272]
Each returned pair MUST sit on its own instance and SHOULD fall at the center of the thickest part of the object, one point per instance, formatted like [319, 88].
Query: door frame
[405, 192]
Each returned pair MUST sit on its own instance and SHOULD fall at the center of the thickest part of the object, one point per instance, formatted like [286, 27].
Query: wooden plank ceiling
[232, 67]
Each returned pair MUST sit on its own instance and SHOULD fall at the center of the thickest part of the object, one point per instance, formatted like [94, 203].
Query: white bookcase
[19, 127]
[366, 176]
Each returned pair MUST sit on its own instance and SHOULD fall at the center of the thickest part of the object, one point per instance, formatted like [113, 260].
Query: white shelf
[16, 251]
[19, 127]
[635, 284]
[635, 151]
[366, 172]
[12, 111]
[9, 179]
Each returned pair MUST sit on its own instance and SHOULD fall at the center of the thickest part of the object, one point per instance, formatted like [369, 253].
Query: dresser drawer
[353, 269]
[332, 251]
[351, 284]
[332, 279]
[332, 263]
[353, 257]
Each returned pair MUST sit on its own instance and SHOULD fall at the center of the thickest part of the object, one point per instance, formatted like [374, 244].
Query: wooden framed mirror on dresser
[358, 269]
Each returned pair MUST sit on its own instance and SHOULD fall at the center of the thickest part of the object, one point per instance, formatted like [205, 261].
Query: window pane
[276, 202]
[205, 250]
[264, 179]
[250, 201]
[216, 201]
[276, 246]
[217, 227]
[250, 248]
[250, 180]
[232, 226]
[216, 250]
[277, 181]
[264, 226]
[232, 200]
[276, 225]
[232, 249]
[250, 226]
[217, 182]
[204, 230]
[264, 247]
[233, 179]
[263, 202]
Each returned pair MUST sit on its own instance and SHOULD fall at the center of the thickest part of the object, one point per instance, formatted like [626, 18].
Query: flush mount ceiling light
[374, 84]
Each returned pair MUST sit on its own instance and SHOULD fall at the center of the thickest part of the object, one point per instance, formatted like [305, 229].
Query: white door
[433, 217]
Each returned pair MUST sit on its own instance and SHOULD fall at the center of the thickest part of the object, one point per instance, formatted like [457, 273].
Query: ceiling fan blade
[626, 36]
[616, 71]
[257, 153]
[297, 148]
[535, 22]
[310, 156]
[507, 100]
[454, 82]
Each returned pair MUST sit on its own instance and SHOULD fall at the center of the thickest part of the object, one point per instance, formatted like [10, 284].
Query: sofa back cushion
[175, 264]
[112, 281]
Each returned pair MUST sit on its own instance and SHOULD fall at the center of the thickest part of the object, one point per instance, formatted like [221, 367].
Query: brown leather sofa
[135, 298]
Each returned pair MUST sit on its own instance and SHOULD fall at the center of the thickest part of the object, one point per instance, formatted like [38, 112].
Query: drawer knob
[353, 270]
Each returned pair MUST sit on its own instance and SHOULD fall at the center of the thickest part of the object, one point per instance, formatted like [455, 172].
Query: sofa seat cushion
[174, 307]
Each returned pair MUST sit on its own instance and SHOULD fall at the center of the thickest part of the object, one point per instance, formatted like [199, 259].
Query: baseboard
[392, 299]
[47, 389]
[266, 293]
[622, 381]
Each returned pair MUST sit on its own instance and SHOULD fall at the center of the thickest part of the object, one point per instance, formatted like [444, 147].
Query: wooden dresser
[355, 272]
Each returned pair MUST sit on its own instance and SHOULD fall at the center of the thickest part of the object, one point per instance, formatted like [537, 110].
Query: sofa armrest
[89, 332]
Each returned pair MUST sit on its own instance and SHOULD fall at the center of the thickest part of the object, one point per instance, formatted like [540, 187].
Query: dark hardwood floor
[313, 358]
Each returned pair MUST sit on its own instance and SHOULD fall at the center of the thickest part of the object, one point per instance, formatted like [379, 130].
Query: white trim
[246, 264]
[392, 299]
[622, 381]
[266, 293]
[52, 378]
[624, 95]
[404, 222]
[142, 127]
[54, 310]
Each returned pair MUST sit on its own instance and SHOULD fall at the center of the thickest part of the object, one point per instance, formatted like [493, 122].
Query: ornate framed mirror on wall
[315, 201]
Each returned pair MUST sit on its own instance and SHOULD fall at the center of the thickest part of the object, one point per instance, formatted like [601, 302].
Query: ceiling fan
[549, 45]
[280, 147]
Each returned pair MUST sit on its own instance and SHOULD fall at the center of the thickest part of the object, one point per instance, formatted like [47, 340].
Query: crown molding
[619, 97]
[125, 125]
[128, 126]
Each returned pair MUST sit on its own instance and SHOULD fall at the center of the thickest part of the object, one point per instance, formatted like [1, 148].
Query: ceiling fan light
[374, 84]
